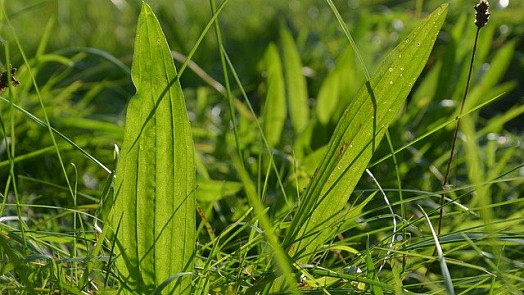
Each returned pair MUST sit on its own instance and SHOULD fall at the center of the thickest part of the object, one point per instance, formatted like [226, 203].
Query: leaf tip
[443, 8]
[146, 8]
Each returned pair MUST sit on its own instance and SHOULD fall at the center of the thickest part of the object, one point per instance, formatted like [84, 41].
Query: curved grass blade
[361, 127]
[442, 261]
[155, 176]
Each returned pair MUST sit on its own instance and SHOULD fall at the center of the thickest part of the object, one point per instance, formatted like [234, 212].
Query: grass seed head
[4, 79]
[482, 14]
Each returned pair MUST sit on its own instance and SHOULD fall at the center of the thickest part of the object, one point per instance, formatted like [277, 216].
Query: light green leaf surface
[296, 86]
[210, 190]
[155, 177]
[328, 97]
[275, 106]
[360, 129]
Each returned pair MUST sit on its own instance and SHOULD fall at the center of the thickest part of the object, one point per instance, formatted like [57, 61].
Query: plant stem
[481, 18]
[454, 140]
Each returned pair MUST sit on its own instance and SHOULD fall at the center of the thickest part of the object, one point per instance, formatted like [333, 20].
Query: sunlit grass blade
[155, 178]
[358, 132]
[443, 266]
[280, 256]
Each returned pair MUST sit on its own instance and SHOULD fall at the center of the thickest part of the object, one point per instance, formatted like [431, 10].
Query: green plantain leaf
[295, 82]
[328, 96]
[275, 106]
[360, 129]
[155, 177]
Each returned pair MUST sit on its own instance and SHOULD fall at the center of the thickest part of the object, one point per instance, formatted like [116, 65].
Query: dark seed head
[482, 14]
[4, 80]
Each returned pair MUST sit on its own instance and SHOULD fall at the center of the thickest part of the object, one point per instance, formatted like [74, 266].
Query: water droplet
[400, 55]
[390, 69]
[391, 82]
[418, 43]
[389, 110]
[338, 167]
[410, 84]
[401, 69]
[401, 75]
[350, 145]
[407, 41]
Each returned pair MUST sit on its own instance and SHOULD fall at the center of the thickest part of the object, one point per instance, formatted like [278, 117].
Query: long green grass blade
[155, 178]
[280, 255]
[442, 260]
[371, 271]
[358, 132]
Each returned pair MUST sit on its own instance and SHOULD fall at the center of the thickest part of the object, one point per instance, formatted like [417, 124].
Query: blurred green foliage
[80, 52]
[109, 26]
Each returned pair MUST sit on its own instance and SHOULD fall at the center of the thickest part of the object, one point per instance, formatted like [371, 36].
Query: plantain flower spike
[482, 14]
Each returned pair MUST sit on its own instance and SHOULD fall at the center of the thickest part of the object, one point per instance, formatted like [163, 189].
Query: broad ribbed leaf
[296, 86]
[155, 176]
[275, 106]
[328, 96]
[358, 132]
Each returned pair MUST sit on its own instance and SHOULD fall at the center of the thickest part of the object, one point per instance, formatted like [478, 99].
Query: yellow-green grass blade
[296, 86]
[358, 132]
[280, 255]
[155, 176]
